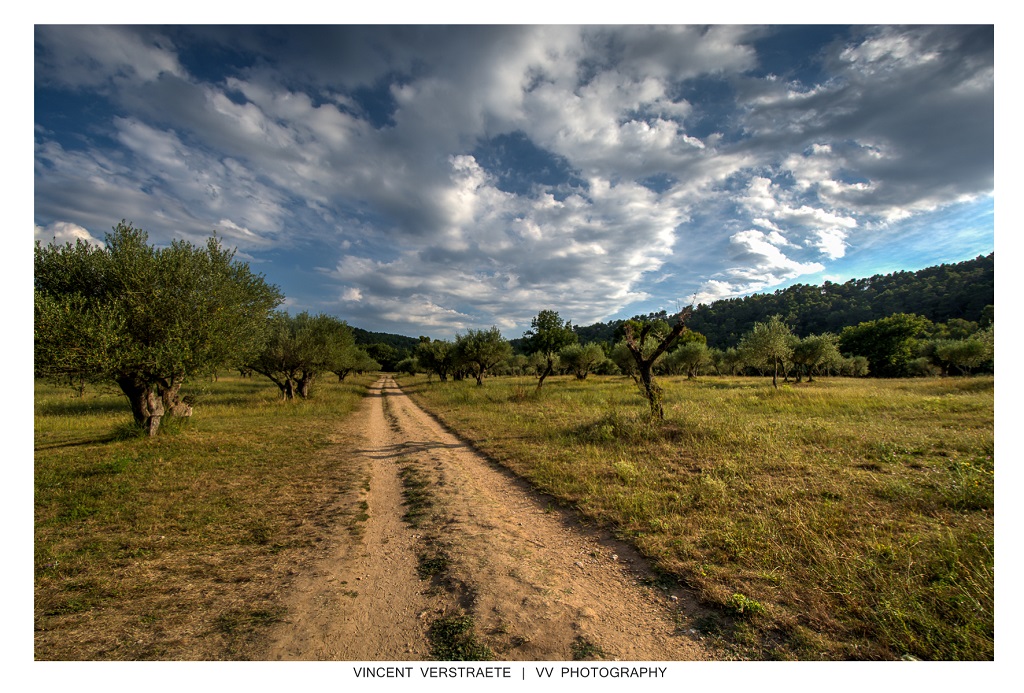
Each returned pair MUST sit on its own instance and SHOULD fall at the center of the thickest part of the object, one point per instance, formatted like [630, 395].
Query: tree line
[963, 290]
[148, 318]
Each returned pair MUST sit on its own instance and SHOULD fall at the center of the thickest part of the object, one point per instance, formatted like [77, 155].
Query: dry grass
[841, 519]
[177, 547]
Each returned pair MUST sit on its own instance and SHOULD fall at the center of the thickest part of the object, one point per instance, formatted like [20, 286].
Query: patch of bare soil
[479, 549]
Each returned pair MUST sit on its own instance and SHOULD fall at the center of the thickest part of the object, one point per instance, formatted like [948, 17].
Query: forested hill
[963, 290]
[395, 341]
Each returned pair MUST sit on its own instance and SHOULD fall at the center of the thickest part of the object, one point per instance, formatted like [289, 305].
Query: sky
[425, 180]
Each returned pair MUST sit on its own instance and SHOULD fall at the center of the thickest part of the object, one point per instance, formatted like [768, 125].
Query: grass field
[840, 519]
[177, 547]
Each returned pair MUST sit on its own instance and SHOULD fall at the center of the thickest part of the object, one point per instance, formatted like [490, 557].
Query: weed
[741, 605]
[452, 639]
[971, 484]
[417, 498]
[260, 531]
[582, 648]
[519, 393]
[432, 564]
[708, 625]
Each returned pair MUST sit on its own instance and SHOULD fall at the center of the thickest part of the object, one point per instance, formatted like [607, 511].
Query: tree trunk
[651, 390]
[304, 384]
[480, 376]
[147, 407]
[775, 376]
[547, 371]
[173, 406]
[286, 387]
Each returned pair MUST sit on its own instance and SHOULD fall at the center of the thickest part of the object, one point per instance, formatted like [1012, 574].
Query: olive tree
[854, 366]
[436, 356]
[622, 357]
[768, 344]
[689, 357]
[963, 354]
[145, 318]
[354, 359]
[482, 350]
[814, 352]
[646, 342]
[298, 349]
[729, 361]
[580, 359]
[548, 335]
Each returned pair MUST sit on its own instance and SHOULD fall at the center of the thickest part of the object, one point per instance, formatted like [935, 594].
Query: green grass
[452, 640]
[840, 519]
[174, 547]
[415, 490]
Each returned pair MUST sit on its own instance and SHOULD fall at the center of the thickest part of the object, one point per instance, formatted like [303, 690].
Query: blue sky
[430, 179]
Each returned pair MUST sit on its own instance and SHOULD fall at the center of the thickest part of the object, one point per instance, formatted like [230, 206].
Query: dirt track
[537, 585]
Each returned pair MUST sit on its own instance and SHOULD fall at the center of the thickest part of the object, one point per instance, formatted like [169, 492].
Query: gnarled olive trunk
[285, 385]
[650, 389]
[147, 406]
[173, 404]
[303, 383]
[644, 365]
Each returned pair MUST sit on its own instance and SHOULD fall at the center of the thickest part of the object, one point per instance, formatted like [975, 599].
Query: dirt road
[478, 557]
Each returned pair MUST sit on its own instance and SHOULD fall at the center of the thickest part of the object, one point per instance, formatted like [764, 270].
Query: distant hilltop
[964, 290]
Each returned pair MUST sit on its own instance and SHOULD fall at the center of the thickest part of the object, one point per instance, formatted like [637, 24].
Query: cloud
[97, 56]
[675, 162]
[759, 263]
[831, 243]
[508, 256]
[908, 111]
[61, 232]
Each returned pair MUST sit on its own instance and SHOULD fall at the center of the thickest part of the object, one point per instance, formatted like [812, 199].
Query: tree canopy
[768, 344]
[298, 349]
[482, 350]
[961, 291]
[436, 356]
[888, 343]
[958, 293]
[146, 318]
